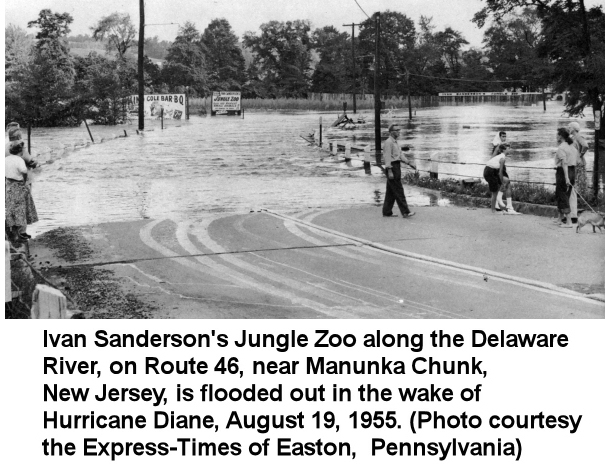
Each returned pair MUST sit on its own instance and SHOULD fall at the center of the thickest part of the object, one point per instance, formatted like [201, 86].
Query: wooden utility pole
[140, 65]
[377, 136]
[407, 78]
[352, 25]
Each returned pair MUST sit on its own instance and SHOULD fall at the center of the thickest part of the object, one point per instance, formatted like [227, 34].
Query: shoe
[23, 237]
[409, 215]
[511, 211]
[25, 234]
[389, 215]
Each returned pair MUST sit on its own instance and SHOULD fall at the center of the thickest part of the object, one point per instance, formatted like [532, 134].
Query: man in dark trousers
[392, 163]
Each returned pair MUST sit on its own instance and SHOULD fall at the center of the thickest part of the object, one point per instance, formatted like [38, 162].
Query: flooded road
[230, 164]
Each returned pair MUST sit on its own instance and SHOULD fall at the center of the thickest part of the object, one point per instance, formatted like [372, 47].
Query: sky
[248, 15]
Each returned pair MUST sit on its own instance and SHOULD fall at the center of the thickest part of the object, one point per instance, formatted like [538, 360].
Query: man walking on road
[392, 164]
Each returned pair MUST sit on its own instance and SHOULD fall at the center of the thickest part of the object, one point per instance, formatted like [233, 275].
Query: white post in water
[48, 303]
[8, 292]
[347, 151]
[367, 163]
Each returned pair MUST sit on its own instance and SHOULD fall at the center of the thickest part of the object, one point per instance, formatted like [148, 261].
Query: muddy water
[230, 164]
[463, 134]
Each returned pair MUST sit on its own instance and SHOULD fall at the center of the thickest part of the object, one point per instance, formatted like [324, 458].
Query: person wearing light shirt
[19, 208]
[565, 161]
[392, 163]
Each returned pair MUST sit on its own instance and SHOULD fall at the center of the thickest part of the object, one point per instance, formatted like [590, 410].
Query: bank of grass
[522, 192]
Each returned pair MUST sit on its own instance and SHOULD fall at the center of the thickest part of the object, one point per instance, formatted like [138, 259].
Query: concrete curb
[460, 266]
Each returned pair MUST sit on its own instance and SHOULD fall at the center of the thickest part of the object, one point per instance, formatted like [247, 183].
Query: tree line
[528, 45]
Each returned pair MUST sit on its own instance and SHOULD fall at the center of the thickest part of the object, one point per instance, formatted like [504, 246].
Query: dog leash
[574, 189]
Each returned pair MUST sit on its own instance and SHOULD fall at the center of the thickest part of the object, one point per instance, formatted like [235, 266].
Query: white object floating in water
[401, 301]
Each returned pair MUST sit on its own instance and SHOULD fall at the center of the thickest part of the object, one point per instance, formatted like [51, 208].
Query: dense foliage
[529, 45]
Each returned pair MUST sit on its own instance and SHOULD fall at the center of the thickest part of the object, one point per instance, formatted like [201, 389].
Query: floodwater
[233, 164]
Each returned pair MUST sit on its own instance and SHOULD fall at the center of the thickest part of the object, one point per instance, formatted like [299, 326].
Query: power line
[362, 9]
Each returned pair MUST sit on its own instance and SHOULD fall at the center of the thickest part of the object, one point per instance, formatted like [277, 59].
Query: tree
[397, 44]
[449, 43]
[185, 64]
[42, 91]
[18, 50]
[573, 42]
[118, 30]
[282, 57]
[52, 26]
[225, 63]
[333, 73]
[475, 67]
[155, 48]
[512, 48]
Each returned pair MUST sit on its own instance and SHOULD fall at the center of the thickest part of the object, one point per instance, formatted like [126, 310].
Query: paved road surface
[261, 265]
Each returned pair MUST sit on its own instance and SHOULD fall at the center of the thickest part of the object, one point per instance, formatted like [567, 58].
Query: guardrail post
[434, 172]
[367, 165]
[48, 303]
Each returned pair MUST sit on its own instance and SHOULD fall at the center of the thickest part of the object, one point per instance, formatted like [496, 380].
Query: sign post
[226, 103]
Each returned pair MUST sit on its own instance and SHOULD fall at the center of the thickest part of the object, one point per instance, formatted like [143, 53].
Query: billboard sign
[228, 103]
[174, 106]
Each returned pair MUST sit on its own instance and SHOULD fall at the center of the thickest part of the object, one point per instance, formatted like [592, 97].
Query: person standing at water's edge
[19, 208]
[582, 147]
[392, 163]
[565, 160]
[499, 183]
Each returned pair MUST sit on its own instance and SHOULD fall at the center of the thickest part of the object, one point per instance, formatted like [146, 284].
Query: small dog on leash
[588, 217]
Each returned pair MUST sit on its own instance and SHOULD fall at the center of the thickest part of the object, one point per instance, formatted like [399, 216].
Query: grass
[522, 192]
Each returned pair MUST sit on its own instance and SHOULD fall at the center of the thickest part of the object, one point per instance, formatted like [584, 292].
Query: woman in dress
[20, 209]
[582, 147]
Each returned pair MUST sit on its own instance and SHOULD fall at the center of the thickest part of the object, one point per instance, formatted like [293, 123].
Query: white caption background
[519, 381]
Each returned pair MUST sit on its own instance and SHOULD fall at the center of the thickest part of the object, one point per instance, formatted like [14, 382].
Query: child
[497, 178]
[500, 138]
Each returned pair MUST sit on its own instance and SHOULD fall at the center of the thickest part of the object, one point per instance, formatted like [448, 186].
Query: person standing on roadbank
[582, 147]
[565, 161]
[392, 164]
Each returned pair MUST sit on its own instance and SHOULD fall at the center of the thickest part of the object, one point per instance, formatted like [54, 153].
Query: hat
[575, 126]
[12, 125]
[394, 128]
[14, 134]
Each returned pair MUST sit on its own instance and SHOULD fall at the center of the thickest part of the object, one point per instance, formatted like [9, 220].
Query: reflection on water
[230, 164]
